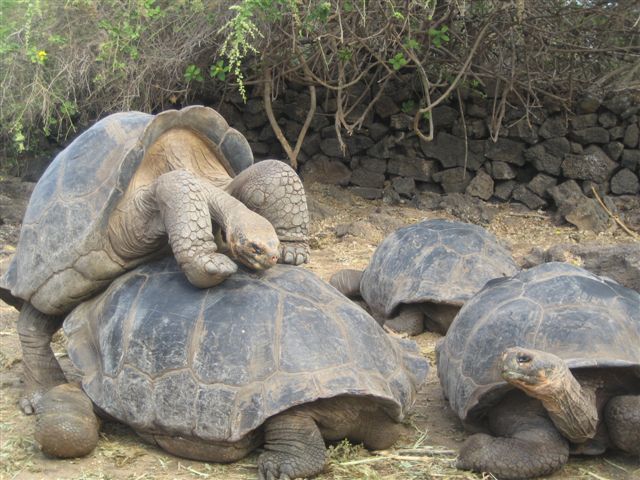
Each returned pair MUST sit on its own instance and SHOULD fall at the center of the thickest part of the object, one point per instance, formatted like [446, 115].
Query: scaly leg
[526, 444]
[410, 320]
[622, 415]
[183, 207]
[294, 448]
[66, 426]
[41, 370]
[347, 281]
[273, 190]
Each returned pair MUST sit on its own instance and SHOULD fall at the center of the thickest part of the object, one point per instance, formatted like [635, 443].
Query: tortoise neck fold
[572, 408]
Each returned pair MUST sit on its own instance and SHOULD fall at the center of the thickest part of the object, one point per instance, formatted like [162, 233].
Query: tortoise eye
[523, 358]
[256, 249]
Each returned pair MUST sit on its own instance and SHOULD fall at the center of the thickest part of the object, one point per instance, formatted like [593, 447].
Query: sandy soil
[345, 232]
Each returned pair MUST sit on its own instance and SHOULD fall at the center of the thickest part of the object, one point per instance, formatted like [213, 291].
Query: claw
[26, 406]
[30, 400]
[209, 269]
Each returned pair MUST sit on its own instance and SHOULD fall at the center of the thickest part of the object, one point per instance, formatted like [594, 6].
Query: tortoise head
[536, 372]
[254, 242]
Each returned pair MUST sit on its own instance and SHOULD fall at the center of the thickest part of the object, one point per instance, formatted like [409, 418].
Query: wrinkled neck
[572, 407]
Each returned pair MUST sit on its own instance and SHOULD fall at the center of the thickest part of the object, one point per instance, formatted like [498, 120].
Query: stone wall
[548, 160]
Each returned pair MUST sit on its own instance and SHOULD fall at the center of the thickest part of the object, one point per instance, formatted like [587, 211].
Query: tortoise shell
[586, 320]
[64, 226]
[165, 357]
[436, 261]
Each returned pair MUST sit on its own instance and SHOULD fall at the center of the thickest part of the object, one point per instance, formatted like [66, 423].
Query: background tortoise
[540, 360]
[421, 275]
[279, 358]
[118, 192]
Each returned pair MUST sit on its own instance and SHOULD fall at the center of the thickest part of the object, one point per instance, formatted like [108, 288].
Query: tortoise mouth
[521, 378]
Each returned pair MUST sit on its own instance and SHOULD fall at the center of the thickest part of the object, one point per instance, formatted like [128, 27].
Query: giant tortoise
[276, 358]
[542, 364]
[420, 275]
[121, 192]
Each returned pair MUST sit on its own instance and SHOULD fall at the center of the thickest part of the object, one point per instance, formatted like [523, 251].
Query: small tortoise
[420, 275]
[547, 362]
[124, 189]
[277, 358]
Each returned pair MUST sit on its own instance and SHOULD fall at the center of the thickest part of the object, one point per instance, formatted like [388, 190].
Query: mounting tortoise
[420, 275]
[544, 364]
[277, 358]
[120, 194]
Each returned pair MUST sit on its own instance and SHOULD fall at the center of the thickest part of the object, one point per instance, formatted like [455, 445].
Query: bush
[66, 66]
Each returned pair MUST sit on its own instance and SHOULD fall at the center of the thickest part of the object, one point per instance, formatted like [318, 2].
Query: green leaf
[398, 61]
[193, 73]
[412, 44]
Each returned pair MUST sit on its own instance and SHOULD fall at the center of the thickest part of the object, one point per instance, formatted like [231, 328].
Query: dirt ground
[345, 232]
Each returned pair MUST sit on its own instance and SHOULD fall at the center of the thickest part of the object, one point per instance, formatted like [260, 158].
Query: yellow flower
[41, 55]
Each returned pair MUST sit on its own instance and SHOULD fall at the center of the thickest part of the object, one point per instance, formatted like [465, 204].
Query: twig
[613, 215]
[615, 465]
[291, 153]
[412, 458]
[594, 475]
[362, 460]
[466, 137]
[417, 451]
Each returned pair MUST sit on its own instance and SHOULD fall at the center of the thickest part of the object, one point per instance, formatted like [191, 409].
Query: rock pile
[546, 159]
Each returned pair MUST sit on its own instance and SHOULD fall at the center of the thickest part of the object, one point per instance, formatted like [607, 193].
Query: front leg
[183, 204]
[66, 425]
[622, 415]
[294, 448]
[526, 443]
[273, 190]
[181, 207]
[41, 370]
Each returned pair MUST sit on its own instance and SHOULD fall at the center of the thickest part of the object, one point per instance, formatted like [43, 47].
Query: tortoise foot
[284, 466]
[66, 426]
[208, 269]
[294, 448]
[410, 321]
[294, 253]
[30, 400]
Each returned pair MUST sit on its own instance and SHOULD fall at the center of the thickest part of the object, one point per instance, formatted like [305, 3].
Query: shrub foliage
[66, 63]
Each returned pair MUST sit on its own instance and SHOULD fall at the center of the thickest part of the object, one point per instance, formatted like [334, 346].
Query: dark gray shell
[166, 357]
[436, 261]
[65, 222]
[588, 321]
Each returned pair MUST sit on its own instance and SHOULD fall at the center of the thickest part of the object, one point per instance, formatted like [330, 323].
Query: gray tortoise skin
[212, 366]
[434, 265]
[589, 324]
[66, 249]
[134, 187]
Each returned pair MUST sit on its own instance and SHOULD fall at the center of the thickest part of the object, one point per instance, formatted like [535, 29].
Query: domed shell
[588, 321]
[436, 261]
[164, 356]
[64, 226]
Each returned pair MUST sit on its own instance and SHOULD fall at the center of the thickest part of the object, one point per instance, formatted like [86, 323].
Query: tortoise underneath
[544, 364]
[277, 358]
